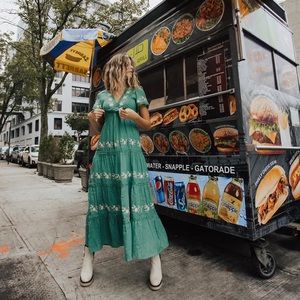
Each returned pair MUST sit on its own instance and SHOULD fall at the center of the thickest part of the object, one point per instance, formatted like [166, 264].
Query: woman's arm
[95, 123]
[142, 119]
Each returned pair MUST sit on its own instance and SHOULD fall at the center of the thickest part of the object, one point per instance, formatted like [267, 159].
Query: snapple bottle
[210, 199]
[193, 195]
[231, 202]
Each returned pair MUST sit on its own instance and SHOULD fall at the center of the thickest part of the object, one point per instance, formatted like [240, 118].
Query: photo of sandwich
[271, 193]
[156, 119]
[170, 116]
[264, 123]
[294, 178]
[226, 139]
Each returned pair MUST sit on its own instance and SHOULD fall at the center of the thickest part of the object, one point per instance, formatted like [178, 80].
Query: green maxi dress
[121, 211]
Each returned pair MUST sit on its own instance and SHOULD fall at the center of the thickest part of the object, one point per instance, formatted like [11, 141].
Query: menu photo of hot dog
[170, 116]
[271, 193]
[181, 114]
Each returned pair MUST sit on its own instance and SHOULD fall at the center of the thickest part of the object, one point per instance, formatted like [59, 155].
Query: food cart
[224, 148]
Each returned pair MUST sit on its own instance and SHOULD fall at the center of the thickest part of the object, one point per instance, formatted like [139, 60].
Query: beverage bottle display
[180, 196]
[193, 195]
[210, 199]
[159, 190]
[169, 188]
[231, 202]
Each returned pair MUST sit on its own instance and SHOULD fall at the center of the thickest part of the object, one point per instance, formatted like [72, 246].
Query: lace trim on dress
[122, 176]
[119, 143]
[117, 208]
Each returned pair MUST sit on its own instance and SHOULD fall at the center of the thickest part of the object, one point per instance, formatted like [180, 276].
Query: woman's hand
[99, 113]
[128, 114]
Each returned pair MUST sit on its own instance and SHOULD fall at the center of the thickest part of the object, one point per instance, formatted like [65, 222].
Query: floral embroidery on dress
[117, 208]
[121, 176]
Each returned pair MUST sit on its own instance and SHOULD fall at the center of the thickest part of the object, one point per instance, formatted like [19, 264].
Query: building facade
[72, 96]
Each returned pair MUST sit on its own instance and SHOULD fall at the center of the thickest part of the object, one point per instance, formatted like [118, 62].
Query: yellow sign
[76, 59]
[139, 53]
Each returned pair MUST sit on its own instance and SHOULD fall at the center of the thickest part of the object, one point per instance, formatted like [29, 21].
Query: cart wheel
[267, 271]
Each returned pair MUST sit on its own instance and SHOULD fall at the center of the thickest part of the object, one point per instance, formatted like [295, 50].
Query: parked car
[15, 153]
[30, 155]
[20, 156]
[2, 152]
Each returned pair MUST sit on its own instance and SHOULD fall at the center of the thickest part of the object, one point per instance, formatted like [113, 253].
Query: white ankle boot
[155, 273]
[87, 275]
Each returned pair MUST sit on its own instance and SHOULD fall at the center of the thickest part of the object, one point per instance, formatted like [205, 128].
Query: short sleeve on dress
[99, 101]
[141, 97]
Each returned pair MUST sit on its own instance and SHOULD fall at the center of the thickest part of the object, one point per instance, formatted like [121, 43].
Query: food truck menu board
[194, 22]
[214, 69]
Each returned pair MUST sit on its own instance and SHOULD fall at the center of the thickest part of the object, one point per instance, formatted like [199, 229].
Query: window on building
[59, 91]
[57, 123]
[80, 91]
[37, 125]
[80, 78]
[29, 127]
[57, 105]
[23, 130]
[12, 134]
[17, 132]
[36, 140]
[59, 74]
[80, 107]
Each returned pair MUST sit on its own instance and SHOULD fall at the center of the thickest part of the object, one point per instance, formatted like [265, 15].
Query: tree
[120, 14]
[43, 19]
[16, 87]
[78, 122]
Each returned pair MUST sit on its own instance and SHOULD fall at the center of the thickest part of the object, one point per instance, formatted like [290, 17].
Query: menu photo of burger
[294, 178]
[271, 193]
[226, 139]
[264, 123]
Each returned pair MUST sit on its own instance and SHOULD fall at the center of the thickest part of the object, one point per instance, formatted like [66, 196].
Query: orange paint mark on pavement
[4, 249]
[62, 248]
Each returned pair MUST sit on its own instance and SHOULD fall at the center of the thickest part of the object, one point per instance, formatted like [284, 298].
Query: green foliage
[66, 147]
[17, 89]
[78, 122]
[119, 15]
[42, 21]
[49, 149]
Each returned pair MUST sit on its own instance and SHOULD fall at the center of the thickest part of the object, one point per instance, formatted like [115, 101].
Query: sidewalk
[41, 244]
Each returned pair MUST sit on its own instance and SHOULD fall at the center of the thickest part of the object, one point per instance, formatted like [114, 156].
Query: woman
[121, 211]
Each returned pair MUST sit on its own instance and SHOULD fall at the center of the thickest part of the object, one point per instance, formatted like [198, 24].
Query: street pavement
[42, 226]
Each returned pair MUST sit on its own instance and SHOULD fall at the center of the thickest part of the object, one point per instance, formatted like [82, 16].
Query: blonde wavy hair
[115, 73]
